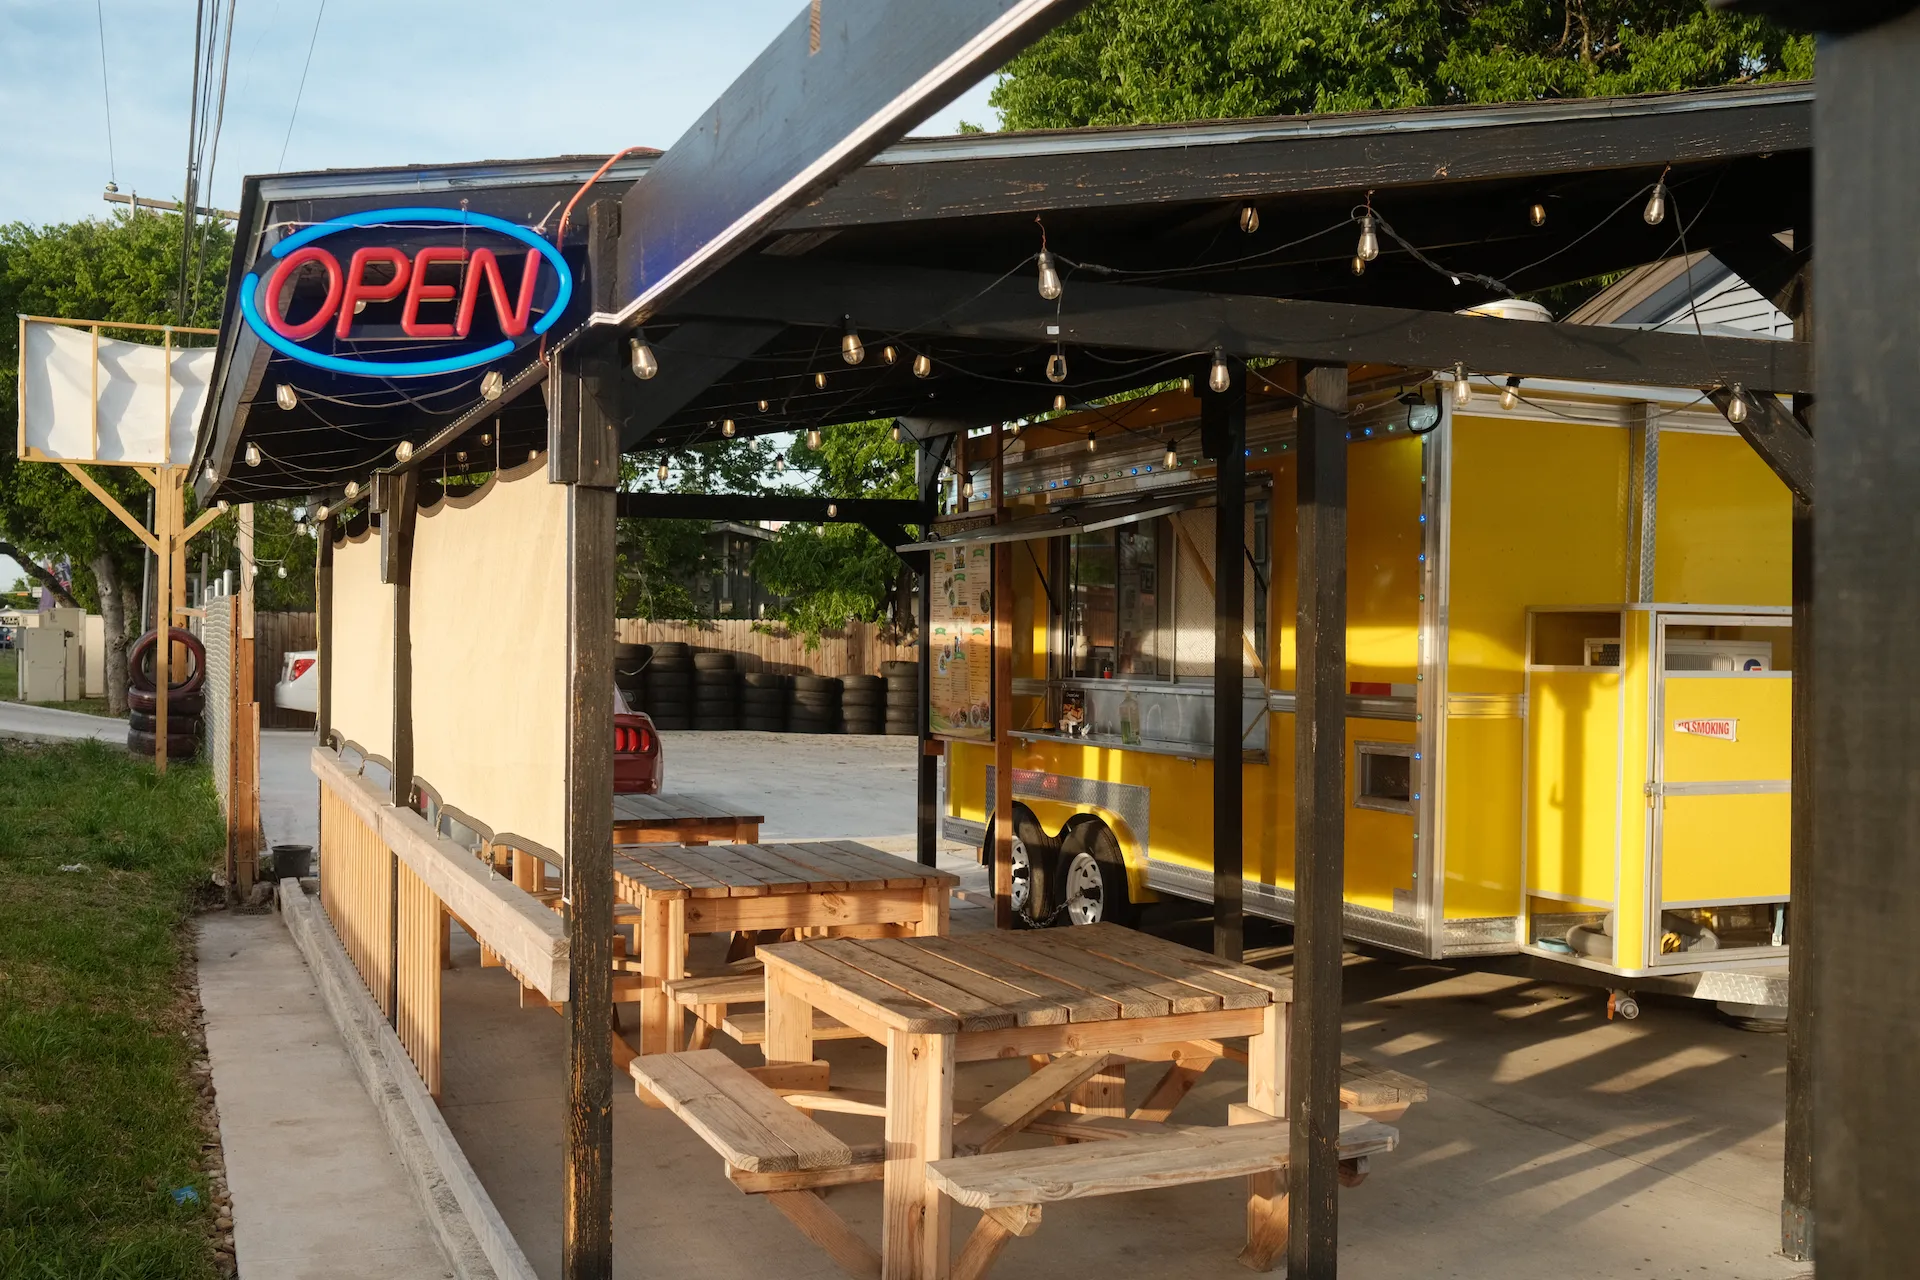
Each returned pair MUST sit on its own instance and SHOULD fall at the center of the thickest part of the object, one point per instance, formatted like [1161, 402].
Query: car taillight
[643, 739]
[622, 739]
[300, 666]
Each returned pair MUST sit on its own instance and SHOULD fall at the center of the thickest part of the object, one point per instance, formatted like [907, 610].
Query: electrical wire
[300, 92]
[213, 157]
[100, 17]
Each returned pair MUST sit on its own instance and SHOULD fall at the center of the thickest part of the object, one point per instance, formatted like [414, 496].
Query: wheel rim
[1084, 890]
[1022, 877]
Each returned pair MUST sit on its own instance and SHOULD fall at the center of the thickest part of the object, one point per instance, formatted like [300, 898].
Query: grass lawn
[10, 688]
[99, 1114]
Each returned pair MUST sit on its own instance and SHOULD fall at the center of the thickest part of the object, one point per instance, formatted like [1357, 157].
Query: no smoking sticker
[1725, 730]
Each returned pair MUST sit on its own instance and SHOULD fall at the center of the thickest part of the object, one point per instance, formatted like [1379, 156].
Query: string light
[1219, 377]
[966, 487]
[727, 427]
[661, 471]
[532, 454]
[1656, 211]
[852, 350]
[492, 385]
[253, 455]
[213, 476]
[833, 510]
[1092, 443]
[1537, 214]
[403, 452]
[1057, 366]
[1369, 247]
[1462, 392]
[1173, 456]
[486, 438]
[1359, 265]
[320, 514]
[1737, 405]
[640, 356]
[353, 488]
[286, 397]
[1510, 394]
[221, 506]
[888, 355]
[763, 406]
[281, 572]
[460, 457]
[1249, 219]
[1049, 276]
[896, 431]
[922, 366]
[813, 437]
[1059, 405]
[779, 462]
[820, 381]
[1186, 385]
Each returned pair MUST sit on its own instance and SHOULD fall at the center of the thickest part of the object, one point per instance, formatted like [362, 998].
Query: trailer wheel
[1092, 878]
[1032, 861]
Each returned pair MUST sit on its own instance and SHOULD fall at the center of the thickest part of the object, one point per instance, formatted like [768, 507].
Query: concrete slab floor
[318, 1191]
[1555, 1143]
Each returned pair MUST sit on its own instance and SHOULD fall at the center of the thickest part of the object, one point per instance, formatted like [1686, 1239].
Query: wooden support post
[927, 776]
[1797, 1219]
[583, 454]
[323, 632]
[165, 495]
[919, 1130]
[1002, 585]
[1320, 701]
[394, 498]
[1223, 427]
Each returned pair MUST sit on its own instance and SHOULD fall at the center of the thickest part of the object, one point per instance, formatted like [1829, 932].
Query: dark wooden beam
[1223, 427]
[928, 458]
[748, 507]
[394, 500]
[323, 635]
[1776, 435]
[955, 304]
[1319, 842]
[1277, 158]
[1772, 270]
[1866, 604]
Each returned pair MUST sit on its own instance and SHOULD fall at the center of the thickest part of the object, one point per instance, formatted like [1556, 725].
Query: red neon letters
[349, 290]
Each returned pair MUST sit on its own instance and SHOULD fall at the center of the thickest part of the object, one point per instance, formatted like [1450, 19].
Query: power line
[213, 158]
[100, 16]
[298, 93]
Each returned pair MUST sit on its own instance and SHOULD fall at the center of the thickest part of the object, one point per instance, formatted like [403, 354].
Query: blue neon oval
[250, 287]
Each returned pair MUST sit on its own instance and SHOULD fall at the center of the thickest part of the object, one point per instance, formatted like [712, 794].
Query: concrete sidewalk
[318, 1190]
[45, 724]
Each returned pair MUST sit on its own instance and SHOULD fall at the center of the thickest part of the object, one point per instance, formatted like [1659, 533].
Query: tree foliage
[836, 572]
[1141, 61]
[659, 559]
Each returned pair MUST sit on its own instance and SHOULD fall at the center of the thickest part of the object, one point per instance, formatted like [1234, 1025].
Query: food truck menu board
[962, 642]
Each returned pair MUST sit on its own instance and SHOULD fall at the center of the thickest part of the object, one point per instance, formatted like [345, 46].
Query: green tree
[125, 268]
[659, 559]
[1140, 61]
[835, 572]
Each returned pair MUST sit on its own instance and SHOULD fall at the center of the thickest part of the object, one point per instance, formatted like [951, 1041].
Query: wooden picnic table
[680, 819]
[937, 1002]
[834, 884]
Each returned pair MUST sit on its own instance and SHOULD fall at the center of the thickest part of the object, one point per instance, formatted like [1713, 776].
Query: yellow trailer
[1600, 785]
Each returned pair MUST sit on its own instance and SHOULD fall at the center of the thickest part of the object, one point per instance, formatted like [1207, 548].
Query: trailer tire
[1034, 855]
[1091, 881]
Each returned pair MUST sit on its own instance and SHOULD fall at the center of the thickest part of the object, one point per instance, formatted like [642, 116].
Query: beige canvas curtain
[361, 647]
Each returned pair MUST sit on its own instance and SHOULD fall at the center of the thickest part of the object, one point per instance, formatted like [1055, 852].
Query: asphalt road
[44, 724]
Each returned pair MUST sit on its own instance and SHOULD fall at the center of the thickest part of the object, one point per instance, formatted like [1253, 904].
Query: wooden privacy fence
[274, 634]
[232, 720]
[858, 649]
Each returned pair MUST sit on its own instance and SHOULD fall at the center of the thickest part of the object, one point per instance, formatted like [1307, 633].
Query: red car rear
[637, 766]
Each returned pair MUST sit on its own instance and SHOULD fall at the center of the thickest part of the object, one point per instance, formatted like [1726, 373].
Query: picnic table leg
[663, 957]
[914, 1231]
[1267, 1213]
[789, 1036]
[933, 916]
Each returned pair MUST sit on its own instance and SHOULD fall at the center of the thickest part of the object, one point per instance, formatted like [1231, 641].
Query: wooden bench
[1010, 1187]
[711, 1001]
[770, 1147]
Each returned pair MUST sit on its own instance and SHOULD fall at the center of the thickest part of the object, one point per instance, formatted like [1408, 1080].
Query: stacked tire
[630, 663]
[186, 700]
[716, 692]
[669, 697]
[862, 704]
[903, 697]
[814, 705]
[763, 701]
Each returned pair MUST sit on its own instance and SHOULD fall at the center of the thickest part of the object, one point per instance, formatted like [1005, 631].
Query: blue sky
[393, 82]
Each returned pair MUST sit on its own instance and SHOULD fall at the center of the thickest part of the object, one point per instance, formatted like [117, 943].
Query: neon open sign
[451, 293]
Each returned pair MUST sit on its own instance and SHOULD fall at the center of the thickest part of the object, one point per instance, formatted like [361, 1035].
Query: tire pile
[716, 692]
[669, 698]
[861, 704]
[815, 705]
[186, 700]
[763, 701]
[630, 663]
[903, 697]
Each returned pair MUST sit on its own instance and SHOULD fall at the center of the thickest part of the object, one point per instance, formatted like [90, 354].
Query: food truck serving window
[1118, 605]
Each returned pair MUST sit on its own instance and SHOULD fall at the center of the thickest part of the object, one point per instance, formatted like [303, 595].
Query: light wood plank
[832, 982]
[1027, 1009]
[1010, 1112]
[726, 988]
[750, 1027]
[1080, 970]
[1169, 960]
[739, 1117]
[820, 1224]
[1081, 1005]
[974, 1012]
[919, 1131]
[869, 1165]
[1181, 997]
[989, 1236]
[1173, 1086]
[1137, 1039]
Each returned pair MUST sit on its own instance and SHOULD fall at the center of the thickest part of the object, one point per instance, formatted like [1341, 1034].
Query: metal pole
[1319, 857]
[927, 779]
[1223, 422]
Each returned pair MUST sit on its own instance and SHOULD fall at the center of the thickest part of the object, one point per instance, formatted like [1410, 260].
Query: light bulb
[922, 366]
[492, 385]
[640, 356]
[966, 487]
[1186, 385]
[833, 509]
[661, 471]
[852, 350]
[763, 406]
[213, 476]
[353, 487]
[1049, 276]
[281, 572]
[1057, 367]
[1249, 219]
[532, 454]
[1537, 214]
[896, 433]
[1359, 265]
[779, 462]
[1737, 406]
[403, 451]
[1059, 405]
[486, 438]
[253, 455]
[286, 397]
[320, 514]
[820, 381]
[1656, 211]
[221, 506]
[813, 437]
[1219, 377]
[888, 354]
[254, 570]
[1462, 390]
[727, 427]
[1173, 457]
[1510, 394]
[460, 457]
[1369, 246]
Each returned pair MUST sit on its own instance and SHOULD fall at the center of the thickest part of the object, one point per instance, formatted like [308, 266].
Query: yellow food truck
[1570, 658]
